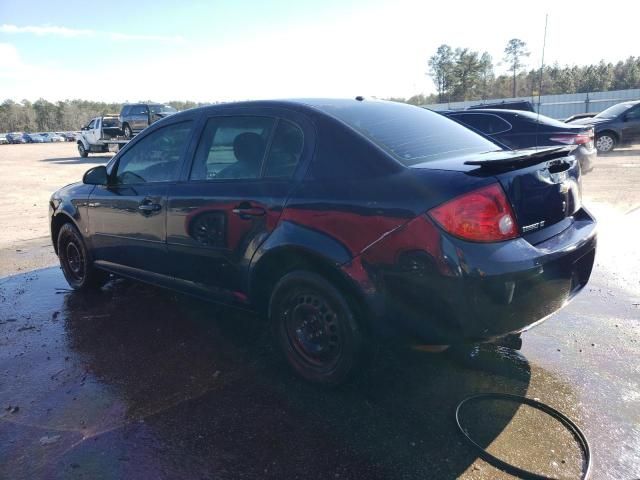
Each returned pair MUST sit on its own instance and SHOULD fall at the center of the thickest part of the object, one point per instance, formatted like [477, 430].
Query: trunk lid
[543, 185]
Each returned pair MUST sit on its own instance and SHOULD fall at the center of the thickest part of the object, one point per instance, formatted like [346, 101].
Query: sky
[210, 51]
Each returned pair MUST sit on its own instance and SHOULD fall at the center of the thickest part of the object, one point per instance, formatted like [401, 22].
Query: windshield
[161, 109]
[411, 134]
[614, 111]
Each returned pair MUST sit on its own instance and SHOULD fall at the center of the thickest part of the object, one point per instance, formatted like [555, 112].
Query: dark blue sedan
[517, 129]
[338, 220]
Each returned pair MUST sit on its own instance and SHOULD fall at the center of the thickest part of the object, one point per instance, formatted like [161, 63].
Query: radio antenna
[544, 44]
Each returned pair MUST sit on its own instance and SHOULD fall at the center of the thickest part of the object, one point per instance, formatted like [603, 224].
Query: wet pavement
[134, 382]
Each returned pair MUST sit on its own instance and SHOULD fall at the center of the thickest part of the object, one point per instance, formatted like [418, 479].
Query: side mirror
[96, 176]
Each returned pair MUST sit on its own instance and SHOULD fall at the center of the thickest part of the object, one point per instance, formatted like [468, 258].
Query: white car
[53, 137]
[3, 140]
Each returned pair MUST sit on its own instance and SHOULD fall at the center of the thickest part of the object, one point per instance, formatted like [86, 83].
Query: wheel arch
[277, 262]
[57, 221]
[611, 132]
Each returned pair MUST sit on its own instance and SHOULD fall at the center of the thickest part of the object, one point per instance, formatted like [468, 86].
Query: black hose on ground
[512, 469]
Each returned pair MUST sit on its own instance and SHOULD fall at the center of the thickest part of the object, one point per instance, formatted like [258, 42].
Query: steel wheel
[75, 261]
[315, 328]
[311, 328]
[605, 143]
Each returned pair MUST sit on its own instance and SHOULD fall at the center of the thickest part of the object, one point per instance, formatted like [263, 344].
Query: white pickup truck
[100, 135]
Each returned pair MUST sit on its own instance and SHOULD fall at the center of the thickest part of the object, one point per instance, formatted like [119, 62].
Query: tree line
[68, 115]
[464, 74]
[458, 74]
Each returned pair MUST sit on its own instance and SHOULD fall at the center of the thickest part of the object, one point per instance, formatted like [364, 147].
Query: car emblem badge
[533, 226]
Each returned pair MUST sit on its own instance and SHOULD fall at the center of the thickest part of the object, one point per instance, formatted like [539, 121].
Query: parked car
[615, 126]
[52, 137]
[3, 139]
[70, 136]
[338, 220]
[519, 129]
[16, 137]
[579, 116]
[505, 105]
[137, 116]
[35, 138]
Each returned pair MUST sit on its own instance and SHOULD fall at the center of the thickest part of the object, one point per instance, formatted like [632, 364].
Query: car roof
[309, 105]
[493, 110]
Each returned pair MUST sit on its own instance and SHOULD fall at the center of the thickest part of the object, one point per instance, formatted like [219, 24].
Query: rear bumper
[586, 157]
[477, 292]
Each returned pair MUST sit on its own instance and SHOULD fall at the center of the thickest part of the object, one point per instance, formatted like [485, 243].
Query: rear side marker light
[483, 215]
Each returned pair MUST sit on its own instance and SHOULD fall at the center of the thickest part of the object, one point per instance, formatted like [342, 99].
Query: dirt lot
[136, 383]
[31, 173]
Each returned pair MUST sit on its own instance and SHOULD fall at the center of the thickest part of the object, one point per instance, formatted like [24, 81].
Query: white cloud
[176, 39]
[72, 32]
[44, 30]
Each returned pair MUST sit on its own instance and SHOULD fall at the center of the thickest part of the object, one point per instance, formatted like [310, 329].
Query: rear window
[162, 109]
[486, 123]
[411, 134]
[542, 119]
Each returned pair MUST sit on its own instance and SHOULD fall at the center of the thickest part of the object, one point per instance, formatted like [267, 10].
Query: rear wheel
[605, 142]
[75, 260]
[82, 151]
[315, 328]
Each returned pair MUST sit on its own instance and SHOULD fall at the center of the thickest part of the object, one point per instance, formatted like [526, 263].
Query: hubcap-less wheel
[74, 262]
[312, 329]
[604, 143]
[315, 327]
[81, 150]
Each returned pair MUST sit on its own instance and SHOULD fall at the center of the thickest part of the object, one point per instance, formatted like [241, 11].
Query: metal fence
[557, 106]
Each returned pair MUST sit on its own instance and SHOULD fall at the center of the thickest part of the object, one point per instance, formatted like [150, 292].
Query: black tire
[126, 131]
[315, 328]
[75, 260]
[606, 142]
[82, 151]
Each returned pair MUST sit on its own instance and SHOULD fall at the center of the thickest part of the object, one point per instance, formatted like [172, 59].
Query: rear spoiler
[522, 158]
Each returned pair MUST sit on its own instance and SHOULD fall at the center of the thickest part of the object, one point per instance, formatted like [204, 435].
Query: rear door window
[285, 152]
[138, 110]
[232, 148]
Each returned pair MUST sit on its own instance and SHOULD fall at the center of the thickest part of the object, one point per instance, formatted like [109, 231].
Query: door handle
[147, 206]
[246, 211]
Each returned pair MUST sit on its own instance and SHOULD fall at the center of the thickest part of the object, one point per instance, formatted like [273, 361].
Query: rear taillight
[483, 215]
[573, 139]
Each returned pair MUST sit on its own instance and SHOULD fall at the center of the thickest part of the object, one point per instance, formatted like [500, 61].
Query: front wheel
[126, 130]
[315, 328]
[605, 143]
[75, 261]
[82, 151]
